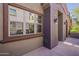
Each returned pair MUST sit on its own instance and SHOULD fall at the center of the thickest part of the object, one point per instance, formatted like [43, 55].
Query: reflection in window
[27, 28]
[12, 12]
[39, 24]
[39, 19]
[31, 17]
[16, 28]
[38, 28]
[31, 28]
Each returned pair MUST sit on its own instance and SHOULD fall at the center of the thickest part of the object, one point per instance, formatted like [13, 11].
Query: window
[16, 28]
[31, 28]
[39, 24]
[22, 22]
[30, 24]
[27, 28]
[38, 28]
[31, 17]
[39, 19]
[12, 12]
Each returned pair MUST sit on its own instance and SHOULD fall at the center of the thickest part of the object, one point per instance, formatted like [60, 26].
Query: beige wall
[64, 18]
[54, 26]
[1, 21]
[21, 47]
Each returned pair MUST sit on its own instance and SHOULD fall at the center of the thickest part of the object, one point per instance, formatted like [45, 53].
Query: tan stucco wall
[63, 10]
[1, 21]
[21, 47]
[54, 26]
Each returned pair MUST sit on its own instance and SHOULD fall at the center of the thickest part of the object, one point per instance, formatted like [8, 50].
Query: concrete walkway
[70, 47]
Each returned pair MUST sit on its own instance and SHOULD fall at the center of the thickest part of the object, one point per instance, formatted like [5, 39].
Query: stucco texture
[1, 21]
[21, 47]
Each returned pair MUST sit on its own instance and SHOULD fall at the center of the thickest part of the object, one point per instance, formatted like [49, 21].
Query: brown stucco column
[5, 21]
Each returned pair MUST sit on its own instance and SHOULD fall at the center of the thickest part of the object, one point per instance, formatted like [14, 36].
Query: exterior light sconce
[65, 22]
[55, 20]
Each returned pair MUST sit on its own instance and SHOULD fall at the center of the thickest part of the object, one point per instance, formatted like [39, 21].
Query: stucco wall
[1, 21]
[62, 9]
[21, 47]
[54, 26]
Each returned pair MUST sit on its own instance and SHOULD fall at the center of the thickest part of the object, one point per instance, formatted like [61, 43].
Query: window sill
[23, 37]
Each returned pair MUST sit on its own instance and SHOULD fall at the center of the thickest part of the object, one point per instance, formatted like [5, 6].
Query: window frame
[7, 38]
[33, 19]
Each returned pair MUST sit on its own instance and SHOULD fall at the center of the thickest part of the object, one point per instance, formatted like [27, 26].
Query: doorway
[60, 26]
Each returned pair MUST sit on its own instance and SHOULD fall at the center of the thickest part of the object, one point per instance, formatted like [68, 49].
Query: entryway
[70, 47]
[60, 26]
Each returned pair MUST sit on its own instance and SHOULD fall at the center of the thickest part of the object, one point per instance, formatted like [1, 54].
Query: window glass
[38, 28]
[27, 28]
[23, 22]
[16, 28]
[12, 12]
[31, 17]
[31, 28]
[39, 19]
